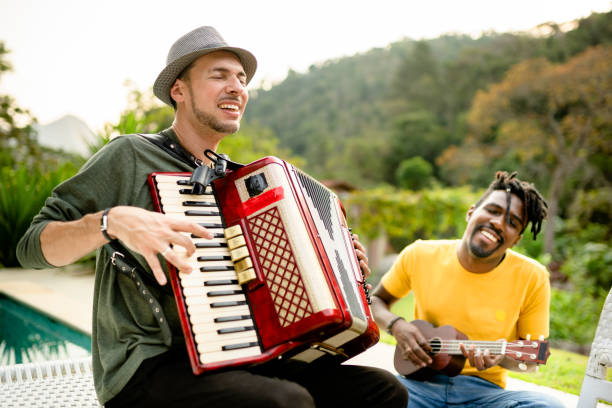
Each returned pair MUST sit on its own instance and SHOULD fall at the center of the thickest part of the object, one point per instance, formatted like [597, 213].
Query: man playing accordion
[138, 352]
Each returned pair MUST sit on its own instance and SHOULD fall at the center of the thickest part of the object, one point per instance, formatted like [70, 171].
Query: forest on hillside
[371, 111]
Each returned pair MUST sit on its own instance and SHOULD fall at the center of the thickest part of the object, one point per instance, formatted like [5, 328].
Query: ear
[177, 91]
[470, 212]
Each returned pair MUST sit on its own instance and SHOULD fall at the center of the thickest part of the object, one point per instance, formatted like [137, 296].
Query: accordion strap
[123, 261]
[173, 149]
[178, 152]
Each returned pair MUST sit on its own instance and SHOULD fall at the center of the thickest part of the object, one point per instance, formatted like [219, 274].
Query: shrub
[23, 192]
[404, 216]
[414, 173]
[573, 317]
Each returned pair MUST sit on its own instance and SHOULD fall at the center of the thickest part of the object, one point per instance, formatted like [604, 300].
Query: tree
[17, 137]
[414, 173]
[549, 120]
[416, 133]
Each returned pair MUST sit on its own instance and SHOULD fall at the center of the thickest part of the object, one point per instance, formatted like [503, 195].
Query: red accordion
[280, 277]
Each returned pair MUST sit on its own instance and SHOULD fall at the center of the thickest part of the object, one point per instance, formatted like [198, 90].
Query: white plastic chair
[595, 387]
[50, 384]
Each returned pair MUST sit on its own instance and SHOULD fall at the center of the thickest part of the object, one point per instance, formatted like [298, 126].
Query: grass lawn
[563, 371]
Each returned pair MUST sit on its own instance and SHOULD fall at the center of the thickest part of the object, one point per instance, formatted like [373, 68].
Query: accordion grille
[321, 198]
[282, 275]
[323, 201]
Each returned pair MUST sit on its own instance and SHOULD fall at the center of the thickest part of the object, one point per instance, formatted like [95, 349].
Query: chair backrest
[601, 349]
[62, 383]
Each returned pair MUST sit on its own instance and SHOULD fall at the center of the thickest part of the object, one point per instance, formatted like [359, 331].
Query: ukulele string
[495, 347]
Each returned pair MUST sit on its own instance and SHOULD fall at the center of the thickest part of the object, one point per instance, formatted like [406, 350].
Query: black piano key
[219, 268]
[221, 282]
[214, 293]
[224, 319]
[211, 245]
[215, 235]
[210, 225]
[198, 204]
[208, 258]
[190, 191]
[239, 329]
[201, 213]
[228, 303]
[239, 346]
[183, 182]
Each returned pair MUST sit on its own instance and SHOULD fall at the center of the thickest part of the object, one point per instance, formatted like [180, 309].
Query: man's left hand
[361, 256]
[480, 359]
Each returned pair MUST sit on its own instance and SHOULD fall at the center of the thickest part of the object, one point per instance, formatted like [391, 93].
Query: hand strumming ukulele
[448, 359]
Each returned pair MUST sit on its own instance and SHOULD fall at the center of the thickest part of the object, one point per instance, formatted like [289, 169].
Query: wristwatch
[104, 225]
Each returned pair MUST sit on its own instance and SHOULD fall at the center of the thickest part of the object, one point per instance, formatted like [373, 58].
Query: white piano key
[199, 313]
[172, 199]
[209, 344]
[189, 213]
[213, 219]
[195, 300]
[200, 240]
[205, 290]
[211, 328]
[182, 205]
[208, 358]
[196, 277]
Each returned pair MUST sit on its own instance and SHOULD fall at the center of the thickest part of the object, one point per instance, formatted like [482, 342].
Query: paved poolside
[67, 294]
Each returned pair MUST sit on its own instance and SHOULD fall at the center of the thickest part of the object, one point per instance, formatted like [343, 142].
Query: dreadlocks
[535, 208]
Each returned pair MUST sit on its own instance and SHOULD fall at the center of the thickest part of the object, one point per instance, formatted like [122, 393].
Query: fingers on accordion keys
[239, 254]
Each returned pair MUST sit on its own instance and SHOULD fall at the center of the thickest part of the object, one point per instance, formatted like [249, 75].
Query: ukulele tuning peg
[528, 337]
[522, 366]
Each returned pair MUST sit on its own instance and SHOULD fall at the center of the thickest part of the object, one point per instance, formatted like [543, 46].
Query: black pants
[167, 381]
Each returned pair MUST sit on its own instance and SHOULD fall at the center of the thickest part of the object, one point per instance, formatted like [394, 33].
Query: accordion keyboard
[219, 314]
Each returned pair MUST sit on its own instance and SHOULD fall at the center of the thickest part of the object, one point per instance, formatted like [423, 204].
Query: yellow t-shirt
[509, 302]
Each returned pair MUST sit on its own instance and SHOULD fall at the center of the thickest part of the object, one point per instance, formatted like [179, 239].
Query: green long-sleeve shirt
[124, 331]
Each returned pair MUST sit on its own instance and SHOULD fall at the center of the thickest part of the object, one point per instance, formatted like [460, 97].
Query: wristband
[104, 225]
[392, 322]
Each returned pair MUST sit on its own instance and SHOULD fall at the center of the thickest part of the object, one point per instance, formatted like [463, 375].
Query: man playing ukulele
[483, 289]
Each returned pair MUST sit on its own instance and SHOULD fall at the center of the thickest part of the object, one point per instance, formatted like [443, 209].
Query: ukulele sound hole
[436, 345]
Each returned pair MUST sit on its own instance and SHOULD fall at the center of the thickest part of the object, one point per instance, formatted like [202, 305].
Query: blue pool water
[27, 335]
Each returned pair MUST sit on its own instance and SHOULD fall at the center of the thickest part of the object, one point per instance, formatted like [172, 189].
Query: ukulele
[448, 359]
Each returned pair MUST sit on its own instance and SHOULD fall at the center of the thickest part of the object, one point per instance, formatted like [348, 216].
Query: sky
[74, 57]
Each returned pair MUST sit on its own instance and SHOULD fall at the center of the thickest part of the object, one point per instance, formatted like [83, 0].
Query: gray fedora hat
[188, 48]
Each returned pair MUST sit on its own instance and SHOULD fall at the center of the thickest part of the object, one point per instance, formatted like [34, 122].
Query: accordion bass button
[245, 277]
[239, 253]
[243, 264]
[233, 231]
[236, 242]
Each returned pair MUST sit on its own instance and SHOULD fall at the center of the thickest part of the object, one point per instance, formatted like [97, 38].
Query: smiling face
[490, 232]
[213, 94]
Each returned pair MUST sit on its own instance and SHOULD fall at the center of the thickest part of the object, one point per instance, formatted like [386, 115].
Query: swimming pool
[29, 336]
